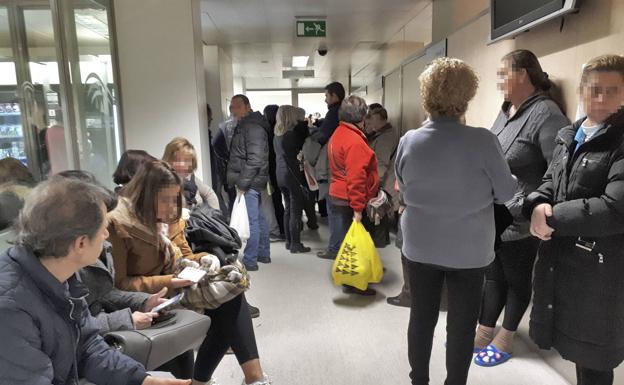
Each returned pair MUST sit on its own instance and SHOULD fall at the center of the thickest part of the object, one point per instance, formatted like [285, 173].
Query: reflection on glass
[99, 140]
[11, 138]
[40, 95]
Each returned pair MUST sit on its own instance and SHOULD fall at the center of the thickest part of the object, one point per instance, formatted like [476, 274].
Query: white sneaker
[264, 381]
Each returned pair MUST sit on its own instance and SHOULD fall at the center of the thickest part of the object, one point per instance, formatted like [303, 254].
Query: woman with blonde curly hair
[450, 175]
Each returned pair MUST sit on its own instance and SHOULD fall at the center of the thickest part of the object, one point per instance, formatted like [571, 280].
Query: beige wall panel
[413, 111]
[392, 97]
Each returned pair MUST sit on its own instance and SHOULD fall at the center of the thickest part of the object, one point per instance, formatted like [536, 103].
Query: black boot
[296, 248]
[400, 300]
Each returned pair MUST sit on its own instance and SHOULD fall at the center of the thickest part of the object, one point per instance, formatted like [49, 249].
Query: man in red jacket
[354, 179]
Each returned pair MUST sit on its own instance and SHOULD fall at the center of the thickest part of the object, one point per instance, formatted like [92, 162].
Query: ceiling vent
[297, 74]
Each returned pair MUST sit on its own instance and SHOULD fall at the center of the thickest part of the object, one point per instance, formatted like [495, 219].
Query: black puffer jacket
[578, 306]
[287, 149]
[248, 166]
[207, 231]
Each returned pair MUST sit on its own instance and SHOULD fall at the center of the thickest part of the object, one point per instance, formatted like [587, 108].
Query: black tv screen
[510, 15]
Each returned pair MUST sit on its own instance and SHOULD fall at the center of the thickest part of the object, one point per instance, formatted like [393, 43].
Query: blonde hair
[285, 119]
[446, 87]
[176, 145]
[603, 63]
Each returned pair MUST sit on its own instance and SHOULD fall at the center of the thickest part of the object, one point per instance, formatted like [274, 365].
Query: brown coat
[140, 262]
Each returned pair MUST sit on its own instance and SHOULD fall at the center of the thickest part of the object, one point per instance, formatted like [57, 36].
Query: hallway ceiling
[259, 36]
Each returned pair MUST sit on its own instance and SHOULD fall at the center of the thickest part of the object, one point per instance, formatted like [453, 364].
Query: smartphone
[169, 302]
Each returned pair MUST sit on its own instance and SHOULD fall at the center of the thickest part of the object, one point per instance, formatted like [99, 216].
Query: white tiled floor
[309, 333]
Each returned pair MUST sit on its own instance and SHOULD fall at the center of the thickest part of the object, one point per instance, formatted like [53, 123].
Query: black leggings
[230, 327]
[294, 200]
[586, 376]
[508, 283]
[464, 295]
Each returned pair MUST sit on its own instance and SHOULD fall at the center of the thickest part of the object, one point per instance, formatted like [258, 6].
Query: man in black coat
[248, 171]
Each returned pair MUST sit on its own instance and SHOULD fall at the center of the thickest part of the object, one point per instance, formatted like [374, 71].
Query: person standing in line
[354, 179]
[384, 140]
[248, 172]
[450, 176]
[578, 214]
[291, 130]
[334, 95]
[526, 127]
[276, 208]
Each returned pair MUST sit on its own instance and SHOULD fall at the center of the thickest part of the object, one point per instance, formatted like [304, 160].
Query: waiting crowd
[535, 205]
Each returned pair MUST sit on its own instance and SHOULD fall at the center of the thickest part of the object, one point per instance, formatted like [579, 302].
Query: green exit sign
[311, 28]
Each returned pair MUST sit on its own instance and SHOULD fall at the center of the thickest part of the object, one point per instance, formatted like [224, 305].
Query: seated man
[47, 333]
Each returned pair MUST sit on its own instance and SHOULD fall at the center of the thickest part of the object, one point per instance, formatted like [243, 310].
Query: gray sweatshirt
[450, 176]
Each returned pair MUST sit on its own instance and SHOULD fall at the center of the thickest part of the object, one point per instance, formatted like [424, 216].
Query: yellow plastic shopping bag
[357, 263]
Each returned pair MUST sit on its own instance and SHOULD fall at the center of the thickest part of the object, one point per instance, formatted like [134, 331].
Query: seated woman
[147, 235]
[180, 154]
[128, 165]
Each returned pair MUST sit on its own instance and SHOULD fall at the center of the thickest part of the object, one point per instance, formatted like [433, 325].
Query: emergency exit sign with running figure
[311, 28]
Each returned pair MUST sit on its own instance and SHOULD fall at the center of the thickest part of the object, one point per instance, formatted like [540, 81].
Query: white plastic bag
[240, 221]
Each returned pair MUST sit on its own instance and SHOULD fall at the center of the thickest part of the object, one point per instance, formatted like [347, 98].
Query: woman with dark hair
[526, 128]
[147, 235]
[128, 165]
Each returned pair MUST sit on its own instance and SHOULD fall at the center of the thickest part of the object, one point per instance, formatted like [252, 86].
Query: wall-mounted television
[511, 17]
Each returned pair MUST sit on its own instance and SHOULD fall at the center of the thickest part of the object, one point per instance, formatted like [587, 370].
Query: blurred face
[510, 79]
[330, 98]
[89, 250]
[373, 124]
[238, 108]
[602, 94]
[167, 205]
[183, 163]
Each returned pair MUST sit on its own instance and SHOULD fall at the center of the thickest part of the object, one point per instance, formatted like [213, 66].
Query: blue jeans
[340, 219]
[258, 244]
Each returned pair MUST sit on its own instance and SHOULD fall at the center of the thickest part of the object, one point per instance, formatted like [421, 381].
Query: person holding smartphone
[147, 234]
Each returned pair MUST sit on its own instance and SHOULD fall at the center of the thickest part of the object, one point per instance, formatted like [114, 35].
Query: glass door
[90, 50]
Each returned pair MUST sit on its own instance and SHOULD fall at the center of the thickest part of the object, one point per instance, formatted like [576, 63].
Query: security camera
[322, 51]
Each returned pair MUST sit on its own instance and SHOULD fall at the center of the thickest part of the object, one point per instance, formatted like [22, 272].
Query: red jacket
[353, 167]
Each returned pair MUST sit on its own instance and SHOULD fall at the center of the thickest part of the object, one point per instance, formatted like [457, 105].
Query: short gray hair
[57, 212]
[353, 110]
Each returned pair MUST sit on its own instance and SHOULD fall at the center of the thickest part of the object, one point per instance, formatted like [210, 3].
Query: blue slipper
[490, 356]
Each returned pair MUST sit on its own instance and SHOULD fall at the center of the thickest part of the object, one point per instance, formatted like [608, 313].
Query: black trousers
[309, 206]
[231, 327]
[586, 376]
[278, 207]
[464, 296]
[508, 283]
[295, 201]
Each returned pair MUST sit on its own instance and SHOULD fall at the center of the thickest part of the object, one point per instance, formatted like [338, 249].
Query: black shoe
[264, 259]
[277, 238]
[313, 226]
[254, 311]
[287, 246]
[326, 255]
[299, 248]
[354, 290]
[251, 267]
[399, 300]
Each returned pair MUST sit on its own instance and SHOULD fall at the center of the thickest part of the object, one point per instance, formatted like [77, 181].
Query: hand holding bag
[162, 342]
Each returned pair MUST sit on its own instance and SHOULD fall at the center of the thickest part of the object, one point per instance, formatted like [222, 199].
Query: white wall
[162, 76]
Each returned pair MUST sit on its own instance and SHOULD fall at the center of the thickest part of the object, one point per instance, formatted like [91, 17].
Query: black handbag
[164, 341]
